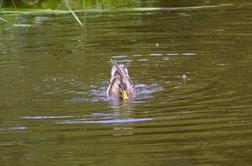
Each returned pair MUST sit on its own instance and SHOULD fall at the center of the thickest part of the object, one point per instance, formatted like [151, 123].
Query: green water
[191, 67]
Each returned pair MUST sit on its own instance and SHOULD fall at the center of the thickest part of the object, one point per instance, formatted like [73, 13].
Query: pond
[191, 66]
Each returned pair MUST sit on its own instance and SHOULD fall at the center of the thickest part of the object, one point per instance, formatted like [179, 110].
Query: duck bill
[124, 95]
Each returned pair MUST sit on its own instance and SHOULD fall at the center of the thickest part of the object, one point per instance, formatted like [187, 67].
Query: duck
[120, 85]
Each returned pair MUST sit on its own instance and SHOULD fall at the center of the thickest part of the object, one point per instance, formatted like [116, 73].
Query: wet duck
[120, 85]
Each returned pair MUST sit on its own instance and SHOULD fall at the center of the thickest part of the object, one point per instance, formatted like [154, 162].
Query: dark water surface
[192, 71]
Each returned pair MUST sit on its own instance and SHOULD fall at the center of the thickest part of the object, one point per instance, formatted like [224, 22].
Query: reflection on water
[191, 67]
[109, 121]
[12, 128]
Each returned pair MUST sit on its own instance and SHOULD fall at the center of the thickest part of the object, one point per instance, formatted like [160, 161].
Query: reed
[13, 3]
[3, 20]
[84, 4]
[72, 12]
[1, 3]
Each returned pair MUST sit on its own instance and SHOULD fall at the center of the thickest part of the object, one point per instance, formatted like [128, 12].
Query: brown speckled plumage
[119, 81]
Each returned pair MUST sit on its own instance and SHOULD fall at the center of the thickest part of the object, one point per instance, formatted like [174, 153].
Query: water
[192, 71]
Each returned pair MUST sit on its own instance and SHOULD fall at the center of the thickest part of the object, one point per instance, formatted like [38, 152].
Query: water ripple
[12, 128]
[110, 121]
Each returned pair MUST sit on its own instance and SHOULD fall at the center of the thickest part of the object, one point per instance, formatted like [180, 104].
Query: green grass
[32, 11]
[39, 11]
